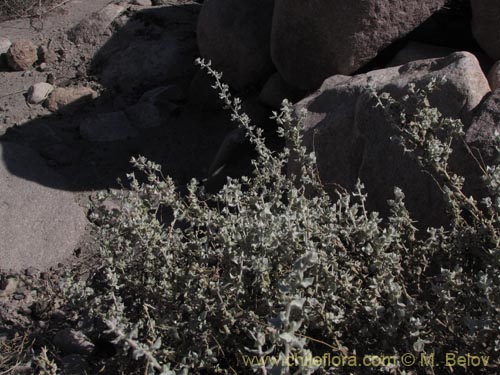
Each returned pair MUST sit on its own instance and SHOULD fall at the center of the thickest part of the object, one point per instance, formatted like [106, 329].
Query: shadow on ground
[156, 47]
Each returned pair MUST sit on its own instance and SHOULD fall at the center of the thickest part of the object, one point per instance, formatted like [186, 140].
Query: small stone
[4, 45]
[70, 99]
[39, 92]
[8, 287]
[19, 296]
[22, 55]
[43, 67]
[70, 341]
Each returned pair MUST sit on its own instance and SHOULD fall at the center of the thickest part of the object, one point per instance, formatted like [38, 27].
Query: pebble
[4, 45]
[39, 92]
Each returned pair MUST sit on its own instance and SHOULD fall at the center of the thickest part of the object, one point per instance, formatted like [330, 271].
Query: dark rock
[107, 127]
[485, 21]
[235, 36]
[311, 42]
[276, 89]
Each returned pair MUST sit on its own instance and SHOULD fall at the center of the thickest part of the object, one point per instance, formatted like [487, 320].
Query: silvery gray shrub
[272, 265]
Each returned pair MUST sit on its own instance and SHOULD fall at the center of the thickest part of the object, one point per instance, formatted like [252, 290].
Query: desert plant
[264, 275]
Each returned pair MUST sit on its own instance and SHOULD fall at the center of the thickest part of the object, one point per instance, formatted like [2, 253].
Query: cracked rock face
[313, 40]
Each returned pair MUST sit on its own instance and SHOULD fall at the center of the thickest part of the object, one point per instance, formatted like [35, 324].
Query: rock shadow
[155, 47]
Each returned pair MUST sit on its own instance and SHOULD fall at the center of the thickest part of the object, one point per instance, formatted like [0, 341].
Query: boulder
[353, 139]
[39, 92]
[485, 126]
[22, 55]
[158, 47]
[485, 21]
[90, 29]
[70, 99]
[313, 40]
[414, 51]
[235, 36]
[39, 225]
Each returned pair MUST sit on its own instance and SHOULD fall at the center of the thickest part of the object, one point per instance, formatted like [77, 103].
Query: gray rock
[22, 55]
[485, 19]
[485, 127]
[494, 76]
[39, 92]
[107, 127]
[70, 341]
[92, 28]
[235, 36]
[276, 89]
[144, 115]
[311, 42]
[352, 138]
[39, 225]
[70, 99]
[414, 51]
[136, 67]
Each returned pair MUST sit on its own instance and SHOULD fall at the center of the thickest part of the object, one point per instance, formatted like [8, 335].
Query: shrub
[199, 283]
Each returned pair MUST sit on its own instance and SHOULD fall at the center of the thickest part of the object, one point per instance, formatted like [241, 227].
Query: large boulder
[313, 40]
[354, 140]
[235, 35]
[156, 47]
[485, 21]
[39, 225]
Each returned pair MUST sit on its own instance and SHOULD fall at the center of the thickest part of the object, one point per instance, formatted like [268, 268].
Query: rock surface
[313, 40]
[419, 51]
[22, 55]
[39, 226]
[352, 138]
[486, 123]
[91, 28]
[276, 89]
[157, 48]
[107, 127]
[235, 36]
[39, 92]
[485, 21]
